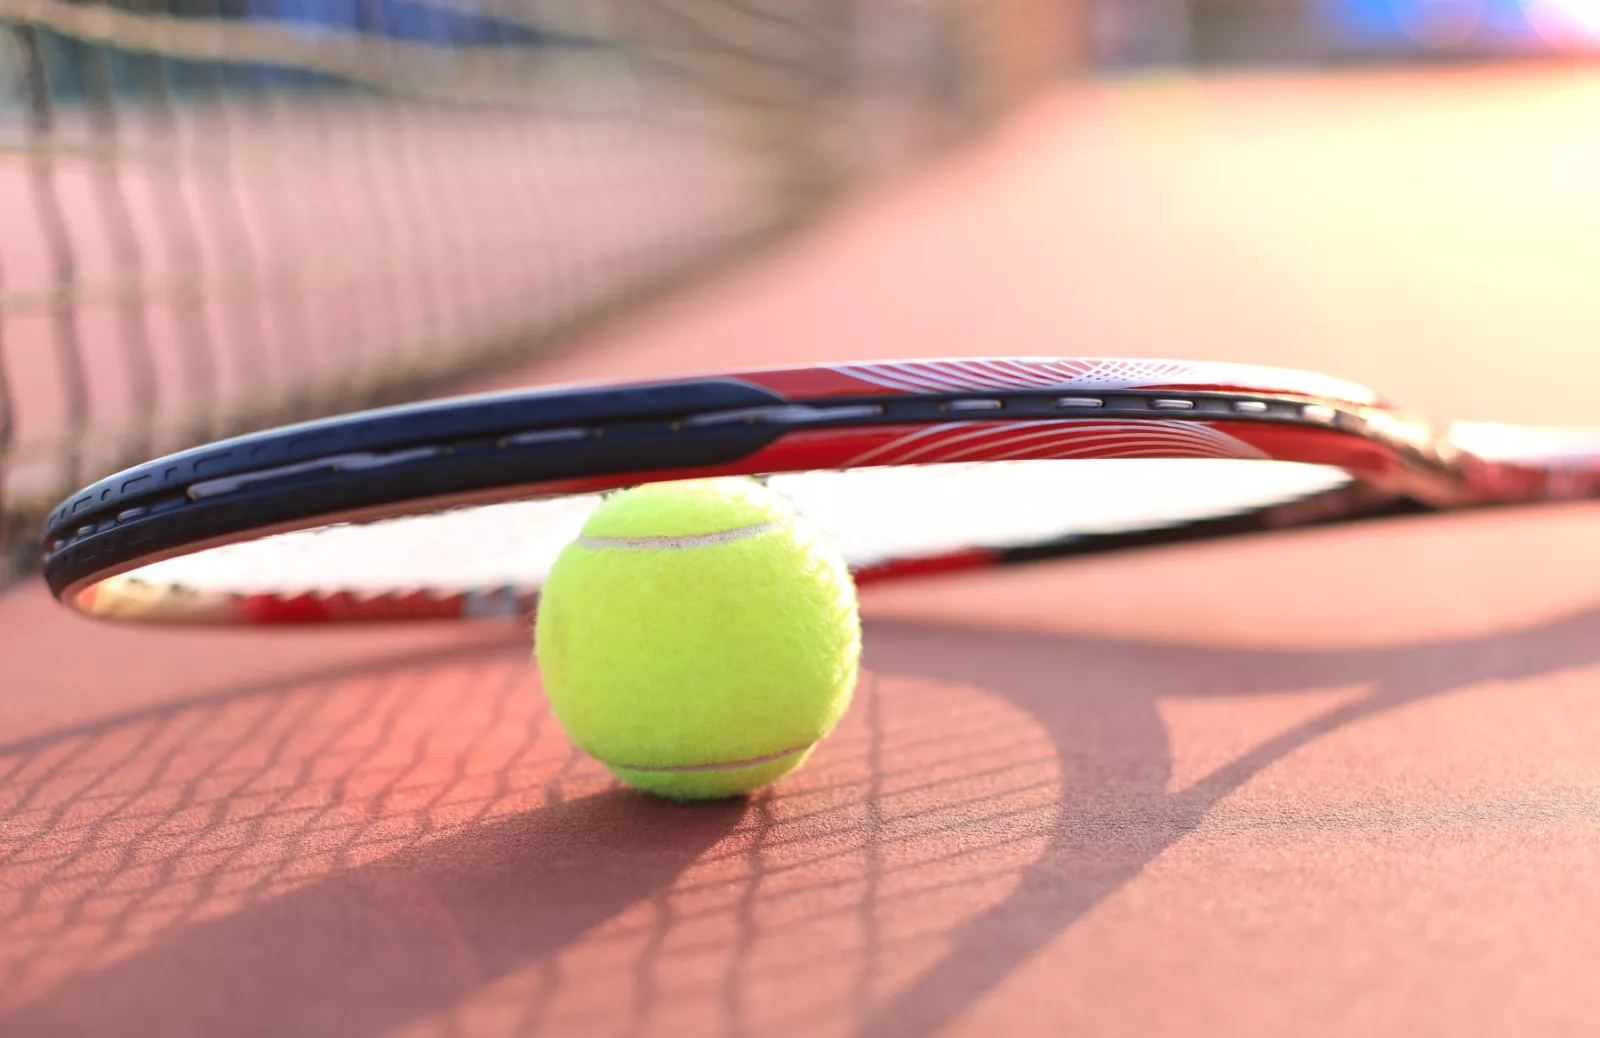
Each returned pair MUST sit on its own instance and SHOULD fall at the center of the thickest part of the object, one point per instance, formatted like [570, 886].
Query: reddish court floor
[1330, 783]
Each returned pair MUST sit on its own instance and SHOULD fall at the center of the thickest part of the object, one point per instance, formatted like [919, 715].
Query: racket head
[452, 509]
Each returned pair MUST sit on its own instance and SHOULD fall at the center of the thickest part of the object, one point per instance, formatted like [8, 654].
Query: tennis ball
[698, 638]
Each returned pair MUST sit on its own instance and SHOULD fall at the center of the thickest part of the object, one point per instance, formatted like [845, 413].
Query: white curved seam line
[730, 765]
[914, 380]
[985, 436]
[999, 436]
[982, 376]
[888, 380]
[942, 438]
[1189, 441]
[1123, 453]
[926, 377]
[958, 440]
[950, 435]
[693, 540]
[1096, 373]
[902, 440]
[1025, 374]
[1149, 371]
[1026, 377]
[1054, 438]
[1143, 375]
[1035, 374]
[984, 432]
[943, 376]
[1235, 447]
[1155, 446]
[1010, 378]
[1041, 375]
[1066, 370]
[1101, 441]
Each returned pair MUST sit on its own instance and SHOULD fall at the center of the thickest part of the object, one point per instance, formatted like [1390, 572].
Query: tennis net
[223, 214]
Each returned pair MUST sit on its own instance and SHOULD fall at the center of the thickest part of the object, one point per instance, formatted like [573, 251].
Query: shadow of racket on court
[1116, 813]
[415, 849]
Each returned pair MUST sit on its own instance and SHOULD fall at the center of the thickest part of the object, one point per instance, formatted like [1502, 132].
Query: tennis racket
[454, 509]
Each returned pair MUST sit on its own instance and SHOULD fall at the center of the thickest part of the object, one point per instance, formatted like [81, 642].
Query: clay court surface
[1327, 783]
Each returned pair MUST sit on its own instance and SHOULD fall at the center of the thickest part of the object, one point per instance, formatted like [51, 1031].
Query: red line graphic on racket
[453, 509]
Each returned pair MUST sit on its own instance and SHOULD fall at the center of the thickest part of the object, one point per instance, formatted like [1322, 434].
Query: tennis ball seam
[699, 639]
[692, 540]
[731, 765]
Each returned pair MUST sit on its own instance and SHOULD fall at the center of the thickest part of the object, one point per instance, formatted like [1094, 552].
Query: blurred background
[218, 215]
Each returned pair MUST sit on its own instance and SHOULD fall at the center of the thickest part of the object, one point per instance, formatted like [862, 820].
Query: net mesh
[223, 214]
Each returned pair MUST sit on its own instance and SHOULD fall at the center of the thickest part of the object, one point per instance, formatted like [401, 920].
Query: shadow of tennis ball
[210, 839]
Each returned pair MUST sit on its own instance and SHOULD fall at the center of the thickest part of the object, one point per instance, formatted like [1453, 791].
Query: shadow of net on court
[415, 848]
[419, 847]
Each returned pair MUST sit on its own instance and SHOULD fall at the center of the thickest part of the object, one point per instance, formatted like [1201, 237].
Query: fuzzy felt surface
[676, 665]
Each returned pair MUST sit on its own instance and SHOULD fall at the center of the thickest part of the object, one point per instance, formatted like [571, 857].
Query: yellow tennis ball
[699, 638]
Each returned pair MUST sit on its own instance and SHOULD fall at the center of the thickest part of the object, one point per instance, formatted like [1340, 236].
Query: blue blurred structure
[1411, 28]
[1224, 33]
[457, 25]
[449, 26]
